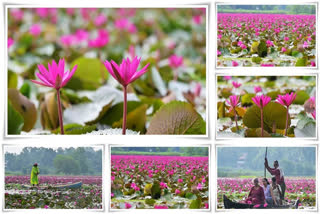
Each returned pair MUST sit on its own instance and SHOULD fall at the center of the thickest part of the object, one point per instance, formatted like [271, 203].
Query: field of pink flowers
[89, 196]
[159, 182]
[297, 188]
[266, 40]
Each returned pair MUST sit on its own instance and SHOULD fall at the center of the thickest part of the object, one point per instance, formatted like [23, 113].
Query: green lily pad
[90, 74]
[136, 119]
[272, 113]
[15, 120]
[301, 62]
[301, 97]
[12, 79]
[262, 49]
[177, 118]
[195, 204]
[26, 89]
[25, 108]
[246, 99]
[273, 94]
[75, 129]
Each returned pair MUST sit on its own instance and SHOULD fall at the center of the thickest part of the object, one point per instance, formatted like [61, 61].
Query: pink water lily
[235, 63]
[257, 89]
[127, 205]
[261, 102]
[125, 73]
[236, 84]
[286, 100]
[161, 207]
[175, 61]
[10, 42]
[55, 77]
[283, 49]
[101, 40]
[177, 192]
[35, 30]
[218, 53]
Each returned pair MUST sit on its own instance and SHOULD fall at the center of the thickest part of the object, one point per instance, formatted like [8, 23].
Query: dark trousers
[283, 190]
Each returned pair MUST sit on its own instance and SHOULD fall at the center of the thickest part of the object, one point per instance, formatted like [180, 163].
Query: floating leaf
[301, 97]
[89, 75]
[24, 107]
[309, 130]
[195, 204]
[15, 120]
[12, 79]
[26, 89]
[136, 119]
[273, 94]
[262, 49]
[90, 112]
[177, 118]
[272, 113]
[75, 129]
[301, 62]
[246, 99]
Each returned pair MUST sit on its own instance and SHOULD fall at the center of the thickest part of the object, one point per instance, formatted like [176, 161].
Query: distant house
[242, 160]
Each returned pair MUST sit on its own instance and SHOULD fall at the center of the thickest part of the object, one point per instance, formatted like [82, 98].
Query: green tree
[66, 164]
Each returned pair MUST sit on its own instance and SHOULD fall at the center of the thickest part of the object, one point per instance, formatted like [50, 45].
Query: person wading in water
[34, 175]
[279, 175]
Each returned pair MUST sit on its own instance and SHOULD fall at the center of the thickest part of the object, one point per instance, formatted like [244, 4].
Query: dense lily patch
[297, 188]
[97, 70]
[89, 196]
[266, 106]
[159, 182]
[266, 40]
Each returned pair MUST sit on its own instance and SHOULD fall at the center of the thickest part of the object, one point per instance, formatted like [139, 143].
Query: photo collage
[128, 106]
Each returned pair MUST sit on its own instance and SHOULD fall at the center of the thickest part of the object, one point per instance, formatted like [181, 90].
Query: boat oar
[265, 170]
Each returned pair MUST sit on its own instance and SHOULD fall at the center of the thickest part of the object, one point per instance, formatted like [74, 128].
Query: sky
[18, 149]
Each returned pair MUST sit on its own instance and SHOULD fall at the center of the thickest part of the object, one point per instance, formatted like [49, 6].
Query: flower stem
[261, 117]
[60, 112]
[124, 121]
[287, 120]
[235, 118]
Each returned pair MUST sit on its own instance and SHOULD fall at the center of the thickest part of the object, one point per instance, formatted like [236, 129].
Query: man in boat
[34, 175]
[279, 175]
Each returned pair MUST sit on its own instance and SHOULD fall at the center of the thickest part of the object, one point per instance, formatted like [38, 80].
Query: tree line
[69, 161]
[295, 161]
[170, 151]
[287, 9]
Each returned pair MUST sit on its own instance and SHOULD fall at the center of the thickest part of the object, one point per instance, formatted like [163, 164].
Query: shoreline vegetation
[269, 9]
[156, 154]
[161, 151]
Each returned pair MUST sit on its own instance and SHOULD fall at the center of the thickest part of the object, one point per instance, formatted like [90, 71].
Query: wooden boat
[64, 186]
[228, 204]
